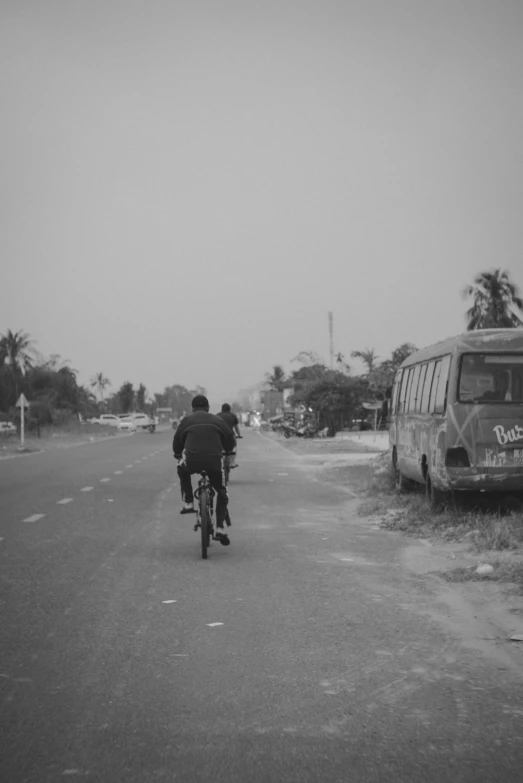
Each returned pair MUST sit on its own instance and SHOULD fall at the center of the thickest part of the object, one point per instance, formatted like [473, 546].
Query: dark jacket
[203, 434]
[229, 418]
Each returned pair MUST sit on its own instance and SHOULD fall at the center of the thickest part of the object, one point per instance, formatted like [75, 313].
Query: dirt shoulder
[53, 439]
[447, 547]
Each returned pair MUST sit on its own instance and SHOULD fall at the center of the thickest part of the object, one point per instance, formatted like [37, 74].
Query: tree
[126, 396]
[16, 349]
[308, 359]
[381, 377]
[178, 398]
[495, 302]
[368, 357]
[140, 397]
[100, 382]
[401, 353]
[277, 379]
[342, 364]
[336, 400]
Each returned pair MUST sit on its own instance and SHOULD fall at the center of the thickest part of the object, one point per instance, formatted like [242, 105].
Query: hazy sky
[189, 187]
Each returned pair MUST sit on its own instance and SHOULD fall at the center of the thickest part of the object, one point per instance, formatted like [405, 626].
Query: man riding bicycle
[231, 420]
[198, 443]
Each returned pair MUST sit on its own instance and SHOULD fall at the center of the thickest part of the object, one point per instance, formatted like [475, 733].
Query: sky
[188, 188]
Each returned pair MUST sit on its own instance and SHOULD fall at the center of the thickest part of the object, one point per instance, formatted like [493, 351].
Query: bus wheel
[435, 496]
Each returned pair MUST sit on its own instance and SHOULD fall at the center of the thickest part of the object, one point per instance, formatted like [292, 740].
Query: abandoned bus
[456, 418]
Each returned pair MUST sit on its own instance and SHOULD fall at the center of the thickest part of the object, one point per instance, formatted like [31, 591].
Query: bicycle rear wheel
[205, 522]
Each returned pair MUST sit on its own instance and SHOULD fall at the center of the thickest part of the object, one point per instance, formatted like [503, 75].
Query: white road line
[129, 466]
[34, 518]
[104, 480]
[118, 472]
[63, 501]
[86, 489]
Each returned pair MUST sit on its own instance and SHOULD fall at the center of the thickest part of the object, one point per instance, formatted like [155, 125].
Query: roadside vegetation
[488, 525]
[60, 406]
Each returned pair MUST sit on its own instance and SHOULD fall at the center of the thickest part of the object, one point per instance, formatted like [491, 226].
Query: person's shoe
[233, 466]
[221, 536]
[188, 508]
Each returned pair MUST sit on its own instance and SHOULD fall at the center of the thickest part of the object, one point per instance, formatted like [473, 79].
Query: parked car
[126, 423]
[107, 418]
[142, 420]
[6, 428]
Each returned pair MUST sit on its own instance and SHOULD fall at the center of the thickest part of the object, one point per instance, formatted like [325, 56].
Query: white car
[6, 428]
[142, 420]
[108, 418]
[126, 424]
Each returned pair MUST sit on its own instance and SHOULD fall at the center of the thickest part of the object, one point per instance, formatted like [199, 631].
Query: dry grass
[485, 526]
[503, 572]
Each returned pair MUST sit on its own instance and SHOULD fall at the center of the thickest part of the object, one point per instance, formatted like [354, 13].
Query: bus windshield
[490, 377]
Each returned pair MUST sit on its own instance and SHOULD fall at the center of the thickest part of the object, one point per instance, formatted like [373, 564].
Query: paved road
[303, 652]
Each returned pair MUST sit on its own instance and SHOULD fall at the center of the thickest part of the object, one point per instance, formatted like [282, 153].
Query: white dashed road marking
[86, 489]
[129, 466]
[118, 472]
[104, 480]
[212, 625]
[34, 518]
[63, 501]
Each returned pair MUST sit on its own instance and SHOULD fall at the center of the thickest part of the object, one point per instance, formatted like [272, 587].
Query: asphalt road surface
[305, 651]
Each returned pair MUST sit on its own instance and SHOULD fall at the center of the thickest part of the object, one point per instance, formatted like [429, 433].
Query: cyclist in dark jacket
[231, 419]
[198, 443]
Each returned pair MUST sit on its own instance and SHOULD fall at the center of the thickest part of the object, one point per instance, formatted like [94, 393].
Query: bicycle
[204, 495]
[227, 457]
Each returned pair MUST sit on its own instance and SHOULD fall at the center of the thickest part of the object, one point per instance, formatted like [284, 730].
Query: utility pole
[331, 343]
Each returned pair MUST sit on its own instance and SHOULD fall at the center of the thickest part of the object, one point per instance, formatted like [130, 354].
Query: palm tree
[276, 380]
[16, 348]
[100, 382]
[495, 302]
[368, 356]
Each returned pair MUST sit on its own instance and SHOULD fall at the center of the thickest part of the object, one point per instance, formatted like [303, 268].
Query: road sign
[22, 403]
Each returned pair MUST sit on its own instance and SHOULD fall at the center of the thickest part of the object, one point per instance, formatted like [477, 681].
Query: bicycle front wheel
[205, 522]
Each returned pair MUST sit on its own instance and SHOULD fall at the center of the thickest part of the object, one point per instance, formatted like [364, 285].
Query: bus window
[403, 391]
[434, 389]
[413, 389]
[426, 389]
[441, 392]
[405, 388]
[396, 391]
[489, 378]
[420, 387]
